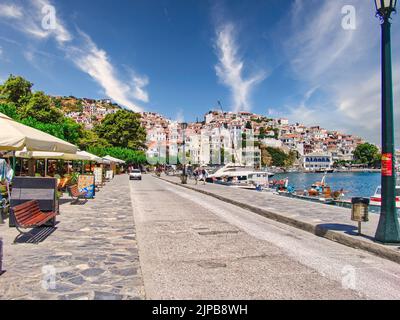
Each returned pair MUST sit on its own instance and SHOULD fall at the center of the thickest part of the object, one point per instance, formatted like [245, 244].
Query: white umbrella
[15, 136]
[92, 157]
[115, 160]
[51, 155]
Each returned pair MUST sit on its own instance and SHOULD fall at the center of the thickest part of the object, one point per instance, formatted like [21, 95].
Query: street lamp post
[184, 176]
[388, 229]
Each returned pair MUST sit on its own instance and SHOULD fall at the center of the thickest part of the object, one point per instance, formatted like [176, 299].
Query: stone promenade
[92, 254]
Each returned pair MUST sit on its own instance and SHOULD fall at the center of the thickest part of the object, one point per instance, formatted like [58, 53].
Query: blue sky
[280, 58]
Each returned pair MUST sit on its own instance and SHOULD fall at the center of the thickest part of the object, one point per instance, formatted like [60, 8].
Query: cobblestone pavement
[93, 253]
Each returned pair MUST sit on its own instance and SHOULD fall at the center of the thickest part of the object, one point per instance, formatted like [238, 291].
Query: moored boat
[376, 199]
[239, 175]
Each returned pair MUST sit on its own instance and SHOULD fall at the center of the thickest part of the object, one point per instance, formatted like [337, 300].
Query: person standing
[196, 176]
[204, 174]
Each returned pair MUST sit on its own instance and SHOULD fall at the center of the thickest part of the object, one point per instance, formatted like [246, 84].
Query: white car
[135, 175]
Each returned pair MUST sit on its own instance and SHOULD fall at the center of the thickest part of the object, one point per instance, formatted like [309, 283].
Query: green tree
[90, 139]
[291, 158]
[10, 110]
[40, 108]
[16, 90]
[367, 154]
[128, 155]
[122, 129]
[73, 132]
[57, 102]
[278, 157]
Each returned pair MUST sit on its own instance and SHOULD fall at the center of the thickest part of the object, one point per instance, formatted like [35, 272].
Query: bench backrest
[25, 211]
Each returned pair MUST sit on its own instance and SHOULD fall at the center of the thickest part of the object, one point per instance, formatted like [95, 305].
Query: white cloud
[96, 63]
[230, 69]
[81, 50]
[10, 11]
[343, 64]
[29, 17]
[60, 32]
[139, 83]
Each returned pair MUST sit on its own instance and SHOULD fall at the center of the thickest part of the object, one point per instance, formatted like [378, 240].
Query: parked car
[135, 175]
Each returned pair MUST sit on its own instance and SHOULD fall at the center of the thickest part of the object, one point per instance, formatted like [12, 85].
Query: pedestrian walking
[204, 174]
[196, 176]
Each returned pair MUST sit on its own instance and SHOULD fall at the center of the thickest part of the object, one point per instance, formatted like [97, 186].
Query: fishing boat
[376, 199]
[320, 192]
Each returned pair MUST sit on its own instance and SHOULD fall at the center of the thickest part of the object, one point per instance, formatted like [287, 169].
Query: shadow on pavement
[35, 236]
[345, 228]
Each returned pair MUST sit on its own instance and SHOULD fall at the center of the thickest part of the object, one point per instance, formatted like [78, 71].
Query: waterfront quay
[154, 239]
[331, 222]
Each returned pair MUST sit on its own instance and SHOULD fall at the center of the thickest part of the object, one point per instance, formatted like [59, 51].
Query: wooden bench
[29, 216]
[74, 193]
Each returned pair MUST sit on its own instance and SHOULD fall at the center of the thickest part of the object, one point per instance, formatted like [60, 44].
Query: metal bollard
[359, 211]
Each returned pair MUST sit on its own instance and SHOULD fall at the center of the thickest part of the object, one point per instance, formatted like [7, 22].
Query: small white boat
[376, 199]
[236, 174]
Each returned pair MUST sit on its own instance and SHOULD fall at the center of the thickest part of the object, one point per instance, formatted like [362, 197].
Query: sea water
[354, 184]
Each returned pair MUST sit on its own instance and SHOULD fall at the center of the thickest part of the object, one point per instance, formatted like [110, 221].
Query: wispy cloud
[343, 64]
[139, 84]
[96, 63]
[10, 11]
[82, 52]
[230, 69]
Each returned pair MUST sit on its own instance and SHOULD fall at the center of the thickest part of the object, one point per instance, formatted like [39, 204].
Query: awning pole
[14, 163]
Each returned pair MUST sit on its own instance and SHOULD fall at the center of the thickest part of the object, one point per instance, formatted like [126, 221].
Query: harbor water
[354, 184]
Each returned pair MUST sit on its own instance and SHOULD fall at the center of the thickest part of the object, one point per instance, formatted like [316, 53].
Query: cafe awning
[15, 136]
[51, 155]
[115, 160]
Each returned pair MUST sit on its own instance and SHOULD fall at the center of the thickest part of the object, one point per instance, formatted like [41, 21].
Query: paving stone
[126, 272]
[93, 250]
[77, 280]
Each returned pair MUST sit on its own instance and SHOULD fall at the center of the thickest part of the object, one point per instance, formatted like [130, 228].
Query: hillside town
[316, 147]
[87, 112]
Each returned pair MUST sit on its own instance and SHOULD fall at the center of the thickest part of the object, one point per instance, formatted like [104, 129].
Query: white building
[317, 161]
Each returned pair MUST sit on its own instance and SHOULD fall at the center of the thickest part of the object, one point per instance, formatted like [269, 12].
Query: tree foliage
[16, 90]
[276, 157]
[122, 129]
[9, 109]
[367, 154]
[40, 107]
[128, 155]
[91, 139]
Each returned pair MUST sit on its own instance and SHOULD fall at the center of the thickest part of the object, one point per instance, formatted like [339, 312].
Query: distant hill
[74, 104]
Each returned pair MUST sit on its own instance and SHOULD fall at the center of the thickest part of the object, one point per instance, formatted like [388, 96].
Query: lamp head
[384, 8]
